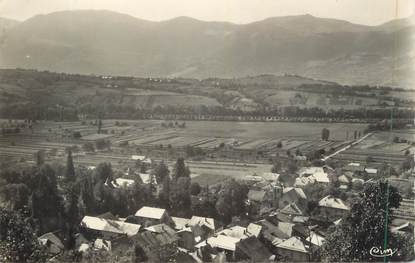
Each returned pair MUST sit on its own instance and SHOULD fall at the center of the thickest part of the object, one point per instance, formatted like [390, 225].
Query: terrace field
[276, 130]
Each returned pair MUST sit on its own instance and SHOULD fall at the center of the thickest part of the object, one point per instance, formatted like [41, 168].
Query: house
[53, 244]
[180, 222]
[303, 181]
[309, 171]
[256, 196]
[208, 225]
[240, 232]
[254, 229]
[315, 239]
[147, 178]
[226, 244]
[102, 244]
[355, 168]
[343, 180]
[107, 228]
[272, 235]
[148, 216]
[332, 208]
[271, 177]
[402, 228]
[187, 239]
[321, 178]
[156, 244]
[263, 199]
[292, 195]
[294, 250]
[293, 209]
[371, 171]
[252, 250]
[123, 183]
[141, 158]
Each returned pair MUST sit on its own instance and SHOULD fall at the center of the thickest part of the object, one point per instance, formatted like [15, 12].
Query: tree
[101, 144]
[76, 135]
[18, 243]
[364, 226]
[231, 200]
[88, 147]
[99, 126]
[45, 201]
[70, 169]
[179, 197]
[276, 167]
[180, 169]
[325, 134]
[40, 158]
[195, 189]
[16, 195]
[161, 171]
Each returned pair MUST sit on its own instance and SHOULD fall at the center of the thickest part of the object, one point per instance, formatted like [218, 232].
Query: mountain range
[109, 43]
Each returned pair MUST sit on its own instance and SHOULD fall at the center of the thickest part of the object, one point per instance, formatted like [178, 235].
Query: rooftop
[295, 244]
[333, 202]
[150, 212]
[202, 221]
[224, 242]
[107, 225]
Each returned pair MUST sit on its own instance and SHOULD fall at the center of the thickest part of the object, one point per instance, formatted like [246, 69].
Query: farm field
[245, 136]
[381, 148]
[309, 131]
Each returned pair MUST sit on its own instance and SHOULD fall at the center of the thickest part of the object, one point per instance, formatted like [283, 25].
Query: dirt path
[346, 147]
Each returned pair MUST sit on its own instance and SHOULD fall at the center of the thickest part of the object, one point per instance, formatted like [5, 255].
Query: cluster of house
[281, 227]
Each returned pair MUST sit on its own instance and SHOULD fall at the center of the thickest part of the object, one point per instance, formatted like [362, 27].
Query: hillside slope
[103, 42]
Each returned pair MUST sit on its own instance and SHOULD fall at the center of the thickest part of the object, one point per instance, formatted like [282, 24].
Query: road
[346, 147]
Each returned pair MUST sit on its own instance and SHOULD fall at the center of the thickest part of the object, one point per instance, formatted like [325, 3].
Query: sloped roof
[151, 239]
[292, 209]
[321, 177]
[254, 249]
[122, 182]
[310, 170]
[286, 227]
[161, 228]
[236, 232]
[202, 221]
[343, 179]
[406, 226]
[253, 178]
[100, 243]
[150, 212]
[271, 231]
[53, 239]
[294, 244]
[271, 176]
[147, 178]
[333, 202]
[256, 195]
[303, 181]
[297, 190]
[107, 225]
[180, 222]
[315, 239]
[254, 229]
[371, 170]
[138, 157]
[224, 242]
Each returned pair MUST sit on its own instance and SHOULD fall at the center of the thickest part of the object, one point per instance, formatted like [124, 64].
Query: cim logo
[380, 253]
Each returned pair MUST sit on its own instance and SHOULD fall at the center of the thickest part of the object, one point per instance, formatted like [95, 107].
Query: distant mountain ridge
[105, 42]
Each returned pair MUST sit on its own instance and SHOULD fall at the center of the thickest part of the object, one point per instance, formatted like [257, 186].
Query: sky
[368, 12]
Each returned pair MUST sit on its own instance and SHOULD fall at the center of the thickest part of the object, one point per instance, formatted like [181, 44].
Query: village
[150, 192]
